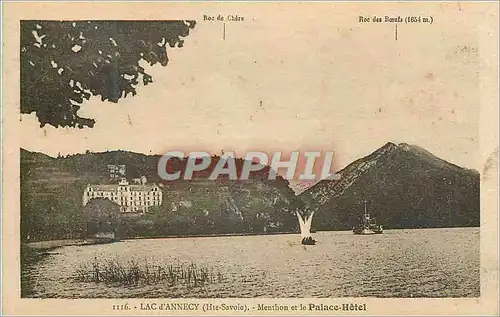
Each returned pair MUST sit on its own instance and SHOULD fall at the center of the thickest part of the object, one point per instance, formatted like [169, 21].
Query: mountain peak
[389, 144]
[388, 147]
[404, 146]
[406, 185]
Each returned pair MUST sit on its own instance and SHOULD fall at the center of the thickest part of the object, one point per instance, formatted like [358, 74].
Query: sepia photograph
[250, 158]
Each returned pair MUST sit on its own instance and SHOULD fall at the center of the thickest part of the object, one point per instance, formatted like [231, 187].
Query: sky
[295, 83]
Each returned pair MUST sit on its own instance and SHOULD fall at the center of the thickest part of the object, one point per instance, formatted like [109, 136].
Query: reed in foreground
[133, 272]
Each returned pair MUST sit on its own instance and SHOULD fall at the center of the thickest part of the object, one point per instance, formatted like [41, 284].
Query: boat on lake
[368, 225]
[305, 229]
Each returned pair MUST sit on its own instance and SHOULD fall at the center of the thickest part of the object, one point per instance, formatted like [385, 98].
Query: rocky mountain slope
[404, 186]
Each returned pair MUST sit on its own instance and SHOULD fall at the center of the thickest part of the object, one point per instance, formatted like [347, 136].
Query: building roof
[104, 188]
[114, 187]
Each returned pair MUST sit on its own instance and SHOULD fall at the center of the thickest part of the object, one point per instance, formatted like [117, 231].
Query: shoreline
[48, 245]
[244, 234]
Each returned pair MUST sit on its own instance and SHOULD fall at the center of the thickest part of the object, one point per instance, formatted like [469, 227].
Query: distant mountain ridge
[404, 185]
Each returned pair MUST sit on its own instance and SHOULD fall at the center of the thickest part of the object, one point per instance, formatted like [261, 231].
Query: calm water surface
[398, 263]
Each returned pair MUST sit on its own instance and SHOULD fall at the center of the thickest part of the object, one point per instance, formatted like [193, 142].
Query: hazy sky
[296, 83]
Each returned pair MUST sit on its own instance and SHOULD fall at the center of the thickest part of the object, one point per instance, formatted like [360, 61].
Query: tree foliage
[102, 215]
[64, 63]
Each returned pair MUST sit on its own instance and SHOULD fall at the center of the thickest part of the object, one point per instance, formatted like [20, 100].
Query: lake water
[398, 263]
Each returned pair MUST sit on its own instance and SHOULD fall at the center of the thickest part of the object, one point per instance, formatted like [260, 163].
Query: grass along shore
[31, 253]
[134, 272]
[113, 271]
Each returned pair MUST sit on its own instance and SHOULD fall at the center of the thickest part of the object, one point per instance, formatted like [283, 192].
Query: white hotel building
[131, 198]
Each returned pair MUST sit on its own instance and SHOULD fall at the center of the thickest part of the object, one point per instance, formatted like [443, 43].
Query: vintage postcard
[251, 158]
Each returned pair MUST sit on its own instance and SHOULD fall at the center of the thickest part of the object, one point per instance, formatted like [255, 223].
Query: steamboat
[368, 225]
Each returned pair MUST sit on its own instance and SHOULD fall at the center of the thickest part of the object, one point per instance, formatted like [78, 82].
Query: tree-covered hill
[52, 188]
